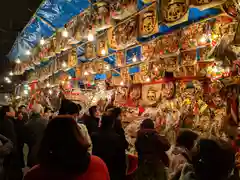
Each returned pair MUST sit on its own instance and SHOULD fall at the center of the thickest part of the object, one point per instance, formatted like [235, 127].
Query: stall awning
[51, 15]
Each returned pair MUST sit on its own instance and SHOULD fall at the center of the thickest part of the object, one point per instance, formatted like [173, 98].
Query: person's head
[70, 108]
[107, 122]
[7, 111]
[115, 112]
[92, 111]
[213, 159]
[186, 139]
[147, 124]
[22, 109]
[37, 109]
[63, 147]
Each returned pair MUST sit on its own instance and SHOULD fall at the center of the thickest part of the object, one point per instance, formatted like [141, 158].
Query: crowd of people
[69, 146]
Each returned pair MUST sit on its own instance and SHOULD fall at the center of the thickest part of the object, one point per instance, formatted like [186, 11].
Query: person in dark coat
[34, 131]
[91, 121]
[6, 147]
[109, 146]
[12, 163]
[152, 157]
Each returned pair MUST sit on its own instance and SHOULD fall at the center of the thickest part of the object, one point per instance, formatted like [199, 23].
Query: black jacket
[34, 130]
[110, 147]
[91, 123]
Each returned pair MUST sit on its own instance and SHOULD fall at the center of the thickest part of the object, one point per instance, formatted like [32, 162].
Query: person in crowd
[116, 114]
[109, 146]
[181, 152]
[70, 108]
[47, 113]
[91, 121]
[211, 160]
[19, 122]
[6, 147]
[12, 163]
[63, 154]
[34, 130]
[151, 149]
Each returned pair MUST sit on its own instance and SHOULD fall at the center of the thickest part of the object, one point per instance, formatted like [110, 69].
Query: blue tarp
[51, 14]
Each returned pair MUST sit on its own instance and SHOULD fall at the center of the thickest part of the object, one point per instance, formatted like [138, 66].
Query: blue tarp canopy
[51, 15]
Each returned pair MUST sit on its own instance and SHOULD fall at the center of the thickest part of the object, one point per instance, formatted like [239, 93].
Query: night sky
[14, 15]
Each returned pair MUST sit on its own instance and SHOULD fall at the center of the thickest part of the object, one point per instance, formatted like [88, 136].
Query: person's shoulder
[33, 173]
[97, 162]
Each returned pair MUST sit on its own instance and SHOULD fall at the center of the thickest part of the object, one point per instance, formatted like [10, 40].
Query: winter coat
[178, 157]
[6, 147]
[34, 130]
[109, 146]
[152, 157]
[91, 123]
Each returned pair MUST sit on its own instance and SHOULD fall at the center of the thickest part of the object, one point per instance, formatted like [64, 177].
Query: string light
[6, 97]
[10, 73]
[69, 77]
[121, 83]
[90, 36]
[42, 41]
[29, 88]
[50, 91]
[28, 52]
[134, 59]
[48, 85]
[65, 33]
[18, 97]
[64, 64]
[18, 61]
[107, 67]
[63, 82]
[203, 39]
[148, 79]
[103, 52]
[25, 92]
[85, 73]
[6, 79]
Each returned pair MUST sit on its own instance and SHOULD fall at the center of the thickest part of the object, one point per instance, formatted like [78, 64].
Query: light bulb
[28, 52]
[90, 36]
[18, 61]
[42, 41]
[6, 97]
[48, 85]
[25, 92]
[6, 79]
[85, 73]
[64, 64]
[50, 91]
[107, 67]
[148, 79]
[10, 73]
[65, 33]
[18, 97]
[203, 39]
[69, 77]
[134, 59]
[121, 83]
[156, 69]
[29, 88]
[9, 81]
[103, 52]
[63, 82]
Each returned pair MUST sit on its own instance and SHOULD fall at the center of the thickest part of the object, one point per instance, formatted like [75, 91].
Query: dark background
[14, 15]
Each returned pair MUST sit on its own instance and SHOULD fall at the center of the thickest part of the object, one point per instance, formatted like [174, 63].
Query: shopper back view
[63, 155]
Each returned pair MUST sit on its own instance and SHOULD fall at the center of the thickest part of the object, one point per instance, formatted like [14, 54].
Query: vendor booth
[174, 61]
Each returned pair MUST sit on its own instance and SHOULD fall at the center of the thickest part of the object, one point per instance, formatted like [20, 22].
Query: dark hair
[92, 110]
[79, 107]
[3, 112]
[115, 112]
[68, 107]
[147, 124]
[107, 122]
[63, 148]
[213, 159]
[186, 138]
[22, 106]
